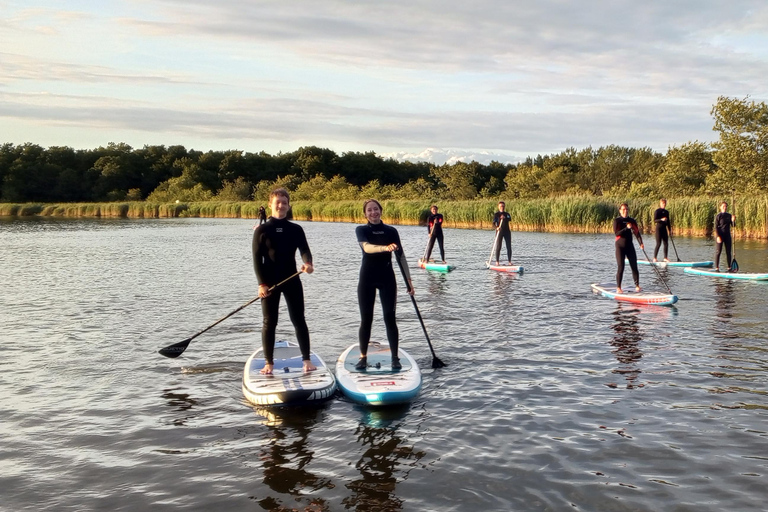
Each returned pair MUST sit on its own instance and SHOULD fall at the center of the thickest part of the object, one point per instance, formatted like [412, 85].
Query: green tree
[741, 153]
[685, 170]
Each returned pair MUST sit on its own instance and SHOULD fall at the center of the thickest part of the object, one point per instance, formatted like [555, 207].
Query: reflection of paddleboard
[504, 268]
[378, 384]
[435, 265]
[727, 275]
[643, 297]
[288, 385]
[664, 264]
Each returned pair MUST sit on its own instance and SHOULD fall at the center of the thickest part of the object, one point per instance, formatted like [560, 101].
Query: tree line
[738, 161]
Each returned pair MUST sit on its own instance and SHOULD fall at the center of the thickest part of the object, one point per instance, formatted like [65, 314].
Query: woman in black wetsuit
[723, 223]
[274, 259]
[663, 228]
[435, 230]
[377, 242]
[623, 228]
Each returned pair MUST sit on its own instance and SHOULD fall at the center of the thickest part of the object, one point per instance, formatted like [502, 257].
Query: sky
[438, 81]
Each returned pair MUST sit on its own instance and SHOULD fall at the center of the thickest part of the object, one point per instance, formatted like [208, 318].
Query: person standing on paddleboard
[723, 223]
[435, 230]
[663, 228]
[274, 259]
[624, 227]
[501, 220]
[377, 242]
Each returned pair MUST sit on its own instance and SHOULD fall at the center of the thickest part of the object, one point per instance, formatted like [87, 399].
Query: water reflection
[181, 402]
[724, 304]
[286, 456]
[436, 283]
[626, 342]
[384, 454]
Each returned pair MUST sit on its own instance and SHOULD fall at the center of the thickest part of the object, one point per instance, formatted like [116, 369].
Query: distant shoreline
[690, 216]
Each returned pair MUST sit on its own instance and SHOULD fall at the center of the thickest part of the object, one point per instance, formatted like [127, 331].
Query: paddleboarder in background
[274, 259]
[663, 228]
[723, 223]
[501, 220]
[262, 215]
[435, 230]
[624, 227]
[377, 242]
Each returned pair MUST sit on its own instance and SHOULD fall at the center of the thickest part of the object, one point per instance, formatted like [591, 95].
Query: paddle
[639, 241]
[436, 362]
[177, 349]
[495, 241]
[429, 240]
[734, 264]
[673, 246]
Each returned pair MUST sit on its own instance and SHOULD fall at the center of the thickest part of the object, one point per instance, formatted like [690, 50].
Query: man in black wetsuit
[377, 242]
[623, 228]
[435, 229]
[501, 220]
[274, 260]
[663, 228]
[723, 223]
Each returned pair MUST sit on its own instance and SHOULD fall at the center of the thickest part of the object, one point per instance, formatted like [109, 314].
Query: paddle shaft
[436, 362]
[734, 265]
[176, 349]
[495, 241]
[639, 241]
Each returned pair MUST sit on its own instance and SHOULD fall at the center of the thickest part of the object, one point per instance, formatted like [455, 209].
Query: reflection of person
[723, 223]
[435, 230]
[501, 220]
[663, 228]
[623, 228]
[262, 215]
[274, 260]
[378, 241]
[626, 343]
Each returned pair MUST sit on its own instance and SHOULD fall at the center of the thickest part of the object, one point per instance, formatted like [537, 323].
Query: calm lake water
[553, 398]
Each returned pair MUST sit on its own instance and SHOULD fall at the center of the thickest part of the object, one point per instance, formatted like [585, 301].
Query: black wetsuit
[435, 228]
[376, 272]
[723, 223]
[662, 230]
[623, 228]
[502, 220]
[274, 259]
[262, 216]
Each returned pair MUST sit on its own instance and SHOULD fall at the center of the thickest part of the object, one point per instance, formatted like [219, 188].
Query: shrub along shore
[691, 216]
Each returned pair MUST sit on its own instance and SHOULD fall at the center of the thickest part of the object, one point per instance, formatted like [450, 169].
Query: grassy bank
[690, 215]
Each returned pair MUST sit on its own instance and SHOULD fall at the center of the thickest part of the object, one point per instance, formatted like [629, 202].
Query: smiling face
[279, 205]
[502, 206]
[723, 207]
[372, 212]
[433, 210]
[623, 210]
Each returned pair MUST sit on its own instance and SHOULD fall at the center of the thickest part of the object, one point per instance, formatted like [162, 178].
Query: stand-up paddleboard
[504, 268]
[435, 265]
[665, 264]
[727, 275]
[288, 384]
[378, 384]
[657, 298]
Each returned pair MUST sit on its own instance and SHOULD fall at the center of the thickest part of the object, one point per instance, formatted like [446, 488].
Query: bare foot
[655, 260]
[308, 366]
[666, 259]
[638, 289]
[497, 263]
[509, 263]
[267, 370]
[619, 290]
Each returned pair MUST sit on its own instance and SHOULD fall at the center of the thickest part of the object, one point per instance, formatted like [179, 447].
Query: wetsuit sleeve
[657, 216]
[258, 248]
[400, 255]
[619, 226]
[496, 219]
[372, 249]
[303, 246]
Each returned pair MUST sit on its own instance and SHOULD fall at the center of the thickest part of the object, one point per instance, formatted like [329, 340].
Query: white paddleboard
[725, 274]
[630, 295]
[378, 384]
[288, 384]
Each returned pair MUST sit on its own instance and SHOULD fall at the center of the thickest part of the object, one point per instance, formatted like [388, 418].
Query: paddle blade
[734, 265]
[437, 363]
[176, 349]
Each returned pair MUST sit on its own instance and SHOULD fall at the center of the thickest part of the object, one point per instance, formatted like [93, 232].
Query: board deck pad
[435, 265]
[288, 384]
[664, 264]
[630, 295]
[378, 384]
